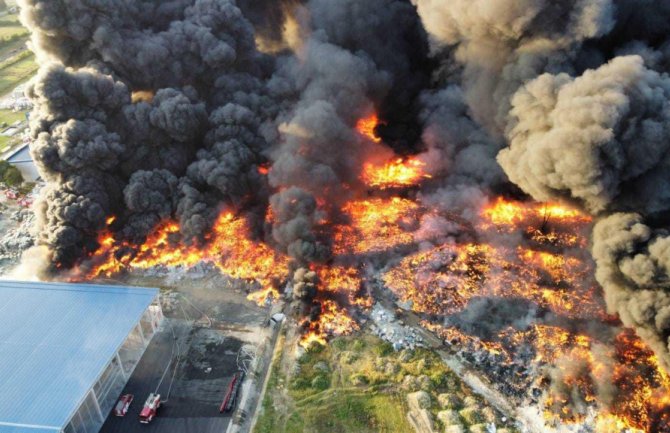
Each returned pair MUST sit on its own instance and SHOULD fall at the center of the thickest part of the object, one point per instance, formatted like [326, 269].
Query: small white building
[22, 160]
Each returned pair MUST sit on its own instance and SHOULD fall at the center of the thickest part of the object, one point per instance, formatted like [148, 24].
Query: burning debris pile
[333, 146]
[533, 320]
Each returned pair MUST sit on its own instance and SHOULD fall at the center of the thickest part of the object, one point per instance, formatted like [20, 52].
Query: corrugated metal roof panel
[55, 341]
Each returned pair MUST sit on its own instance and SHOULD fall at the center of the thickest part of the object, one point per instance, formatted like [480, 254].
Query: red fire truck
[150, 408]
[232, 392]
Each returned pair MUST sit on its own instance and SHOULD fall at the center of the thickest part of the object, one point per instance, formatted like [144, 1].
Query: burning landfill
[500, 167]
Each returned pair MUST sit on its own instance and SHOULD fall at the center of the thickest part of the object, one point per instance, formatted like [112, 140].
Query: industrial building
[67, 351]
[23, 161]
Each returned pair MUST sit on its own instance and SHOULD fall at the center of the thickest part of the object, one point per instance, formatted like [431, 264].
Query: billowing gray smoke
[578, 93]
[634, 264]
[149, 109]
[601, 139]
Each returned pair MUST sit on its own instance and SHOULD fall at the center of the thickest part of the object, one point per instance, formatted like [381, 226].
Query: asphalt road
[178, 415]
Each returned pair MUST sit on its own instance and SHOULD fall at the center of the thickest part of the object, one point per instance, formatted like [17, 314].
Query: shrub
[4, 166]
[348, 358]
[472, 415]
[384, 349]
[300, 383]
[339, 343]
[449, 401]
[358, 345]
[449, 417]
[315, 347]
[321, 382]
[12, 176]
[479, 428]
[439, 379]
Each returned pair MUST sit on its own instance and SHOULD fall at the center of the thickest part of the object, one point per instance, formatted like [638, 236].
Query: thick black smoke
[358, 58]
[145, 110]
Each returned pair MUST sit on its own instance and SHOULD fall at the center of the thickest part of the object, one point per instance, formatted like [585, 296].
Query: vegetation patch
[10, 175]
[360, 384]
[17, 71]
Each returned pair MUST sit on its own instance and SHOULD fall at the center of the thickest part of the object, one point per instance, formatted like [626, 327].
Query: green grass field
[16, 72]
[10, 26]
[8, 117]
[12, 48]
[17, 65]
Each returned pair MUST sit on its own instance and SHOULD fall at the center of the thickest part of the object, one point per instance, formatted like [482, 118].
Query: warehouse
[67, 351]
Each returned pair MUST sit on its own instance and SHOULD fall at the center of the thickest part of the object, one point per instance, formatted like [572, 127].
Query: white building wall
[100, 401]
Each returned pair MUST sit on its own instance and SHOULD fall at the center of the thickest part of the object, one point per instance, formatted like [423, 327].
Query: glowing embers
[376, 225]
[345, 281]
[509, 213]
[444, 279]
[228, 246]
[644, 385]
[399, 173]
[440, 281]
[568, 226]
[623, 377]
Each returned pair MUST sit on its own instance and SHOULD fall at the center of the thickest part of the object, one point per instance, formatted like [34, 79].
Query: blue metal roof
[55, 342]
[22, 154]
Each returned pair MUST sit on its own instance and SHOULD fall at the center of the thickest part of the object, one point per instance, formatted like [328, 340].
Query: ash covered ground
[17, 232]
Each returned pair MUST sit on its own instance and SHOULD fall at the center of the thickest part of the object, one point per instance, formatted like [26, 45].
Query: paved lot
[212, 320]
[192, 405]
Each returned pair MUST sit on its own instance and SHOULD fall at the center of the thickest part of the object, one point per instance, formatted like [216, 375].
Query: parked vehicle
[232, 391]
[122, 406]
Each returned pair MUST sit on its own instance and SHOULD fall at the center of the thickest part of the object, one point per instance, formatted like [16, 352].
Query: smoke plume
[578, 94]
[180, 109]
[633, 266]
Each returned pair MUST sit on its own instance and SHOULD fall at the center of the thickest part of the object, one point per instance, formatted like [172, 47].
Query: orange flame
[229, 248]
[548, 268]
[395, 174]
[376, 226]
[367, 127]
[333, 321]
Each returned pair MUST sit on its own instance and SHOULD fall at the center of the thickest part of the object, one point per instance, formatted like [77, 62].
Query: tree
[11, 175]
[3, 5]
